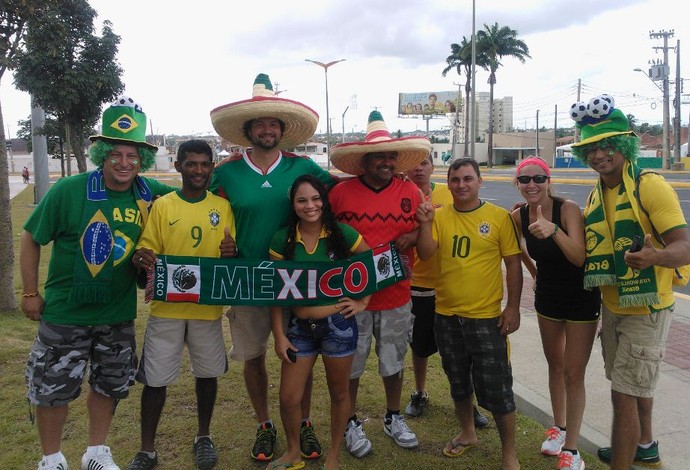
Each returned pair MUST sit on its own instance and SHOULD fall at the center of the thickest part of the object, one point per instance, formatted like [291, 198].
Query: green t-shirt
[260, 201]
[320, 253]
[57, 218]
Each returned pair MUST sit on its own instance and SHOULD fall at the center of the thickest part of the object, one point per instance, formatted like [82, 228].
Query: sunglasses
[539, 179]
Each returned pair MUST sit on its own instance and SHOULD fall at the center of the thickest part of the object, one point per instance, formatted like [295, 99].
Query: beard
[266, 143]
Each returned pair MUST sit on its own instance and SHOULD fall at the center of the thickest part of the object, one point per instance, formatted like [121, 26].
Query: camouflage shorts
[60, 354]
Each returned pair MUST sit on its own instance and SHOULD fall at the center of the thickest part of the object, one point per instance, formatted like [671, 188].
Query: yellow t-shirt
[424, 272]
[471, 247]
[661, 202]
[187, 228]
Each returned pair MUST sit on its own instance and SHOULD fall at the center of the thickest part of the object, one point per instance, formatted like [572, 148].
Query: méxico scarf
[93, 270]
[233, 281]
[605, 263]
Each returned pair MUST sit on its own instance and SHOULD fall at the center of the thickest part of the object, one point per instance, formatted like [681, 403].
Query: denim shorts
[334, 336]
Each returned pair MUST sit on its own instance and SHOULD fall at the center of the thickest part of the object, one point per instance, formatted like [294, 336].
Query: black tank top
[559, 282]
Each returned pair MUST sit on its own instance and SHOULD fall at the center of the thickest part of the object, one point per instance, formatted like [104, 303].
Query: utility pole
[676, 105]
[660, 71]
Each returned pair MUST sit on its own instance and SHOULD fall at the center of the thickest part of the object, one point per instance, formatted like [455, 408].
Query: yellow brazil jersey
[471, 248]
[177, 226]
[424, 272]
[661, 201]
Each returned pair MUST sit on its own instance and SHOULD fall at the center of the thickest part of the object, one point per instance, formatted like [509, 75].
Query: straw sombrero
[411, 150]
[124, 122]
[300, 120]
[599, 119]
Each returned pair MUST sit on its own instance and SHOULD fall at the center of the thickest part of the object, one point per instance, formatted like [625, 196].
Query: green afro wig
[627, 145]
[99, 151]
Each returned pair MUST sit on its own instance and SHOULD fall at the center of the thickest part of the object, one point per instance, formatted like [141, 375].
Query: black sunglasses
[539, 179]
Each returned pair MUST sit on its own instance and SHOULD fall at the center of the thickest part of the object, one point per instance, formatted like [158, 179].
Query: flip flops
[275, 465]
[456, 449]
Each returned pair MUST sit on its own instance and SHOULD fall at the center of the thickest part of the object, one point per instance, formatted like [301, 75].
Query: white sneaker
[61, 464]
[396, 428]
[101, 460]
[356, 441]
[568, 461]
[555, 438]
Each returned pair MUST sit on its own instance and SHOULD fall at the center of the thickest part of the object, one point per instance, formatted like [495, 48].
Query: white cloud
[180, 61]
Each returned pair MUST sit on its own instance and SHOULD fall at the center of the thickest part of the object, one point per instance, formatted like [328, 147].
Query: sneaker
[396, 428]
[570, 461]
[308, 443]
[205, 455]
[643, 457]
[265, 442]
[102, 460]
[61, 464]
[480, 421]
[142, 461]
[555, 438]
[356, 441]
[417, 404]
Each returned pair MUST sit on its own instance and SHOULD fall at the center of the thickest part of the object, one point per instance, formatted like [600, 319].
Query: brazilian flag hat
[124, 122]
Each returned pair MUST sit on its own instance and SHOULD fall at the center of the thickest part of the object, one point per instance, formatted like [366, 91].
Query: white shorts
[164, 342]
[250, 327]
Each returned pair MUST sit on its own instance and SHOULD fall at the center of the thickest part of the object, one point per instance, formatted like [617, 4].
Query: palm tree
[493, 43]
[461, 58]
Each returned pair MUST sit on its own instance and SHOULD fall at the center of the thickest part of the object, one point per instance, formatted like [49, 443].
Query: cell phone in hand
[291, 355]
[636, 244]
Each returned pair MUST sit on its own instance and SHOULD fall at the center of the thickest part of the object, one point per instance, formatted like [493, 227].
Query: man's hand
[509, 321]
[228, 248]
[647, 256]
[33, 307]
[425, 213]
[143, 258]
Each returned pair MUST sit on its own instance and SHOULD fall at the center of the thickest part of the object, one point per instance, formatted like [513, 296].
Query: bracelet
[555, 230]
[33, 294]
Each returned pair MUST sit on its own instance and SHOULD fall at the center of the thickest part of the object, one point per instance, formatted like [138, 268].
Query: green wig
[100, 149]
[627, 145]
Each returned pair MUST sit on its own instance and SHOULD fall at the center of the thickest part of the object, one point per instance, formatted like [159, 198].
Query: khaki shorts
[250, 327]
[391, 328]
[164, 342]
[633, 346]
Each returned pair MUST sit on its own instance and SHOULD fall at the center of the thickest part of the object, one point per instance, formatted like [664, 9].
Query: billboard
[428, 103]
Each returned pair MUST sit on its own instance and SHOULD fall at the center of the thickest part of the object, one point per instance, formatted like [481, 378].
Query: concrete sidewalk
[671, 407]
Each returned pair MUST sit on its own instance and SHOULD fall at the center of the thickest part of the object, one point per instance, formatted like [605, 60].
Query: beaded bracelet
[555, 231]
[33, 294]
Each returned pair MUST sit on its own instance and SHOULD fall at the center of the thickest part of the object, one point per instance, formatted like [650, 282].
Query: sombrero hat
[124, 122]
[300, 120]
[599, 119]
[411, 150]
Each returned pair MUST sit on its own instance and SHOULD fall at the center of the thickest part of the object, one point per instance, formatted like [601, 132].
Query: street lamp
[328, 119]
[665, 144]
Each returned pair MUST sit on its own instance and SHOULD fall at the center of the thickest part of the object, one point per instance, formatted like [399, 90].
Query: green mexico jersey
[260, 201]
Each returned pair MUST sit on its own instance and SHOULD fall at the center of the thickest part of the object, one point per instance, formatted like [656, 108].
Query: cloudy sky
[181, 60]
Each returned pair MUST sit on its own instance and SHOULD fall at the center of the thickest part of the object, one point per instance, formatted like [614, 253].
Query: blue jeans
[334, 336]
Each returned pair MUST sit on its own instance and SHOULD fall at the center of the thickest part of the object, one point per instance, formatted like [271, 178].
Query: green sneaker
[643, 457]
[266, 436]
[308, 443]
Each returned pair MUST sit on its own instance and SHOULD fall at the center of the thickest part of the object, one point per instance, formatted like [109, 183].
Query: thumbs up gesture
[542, 228]
[228, 248]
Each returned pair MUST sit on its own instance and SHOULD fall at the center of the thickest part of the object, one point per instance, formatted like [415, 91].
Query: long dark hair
[335, 240]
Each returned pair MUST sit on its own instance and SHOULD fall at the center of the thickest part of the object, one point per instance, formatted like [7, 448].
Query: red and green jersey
[381, 216]
[261, 202]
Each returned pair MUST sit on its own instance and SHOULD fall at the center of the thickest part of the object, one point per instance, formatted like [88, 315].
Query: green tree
[69, 71]
[54, 131]
[460, 59]
[494, 43]
[14, 15]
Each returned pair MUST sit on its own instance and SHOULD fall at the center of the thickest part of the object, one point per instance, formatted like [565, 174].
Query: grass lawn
[233, 425]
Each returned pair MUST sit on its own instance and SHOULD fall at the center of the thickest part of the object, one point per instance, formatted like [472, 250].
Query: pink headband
[534, 161]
